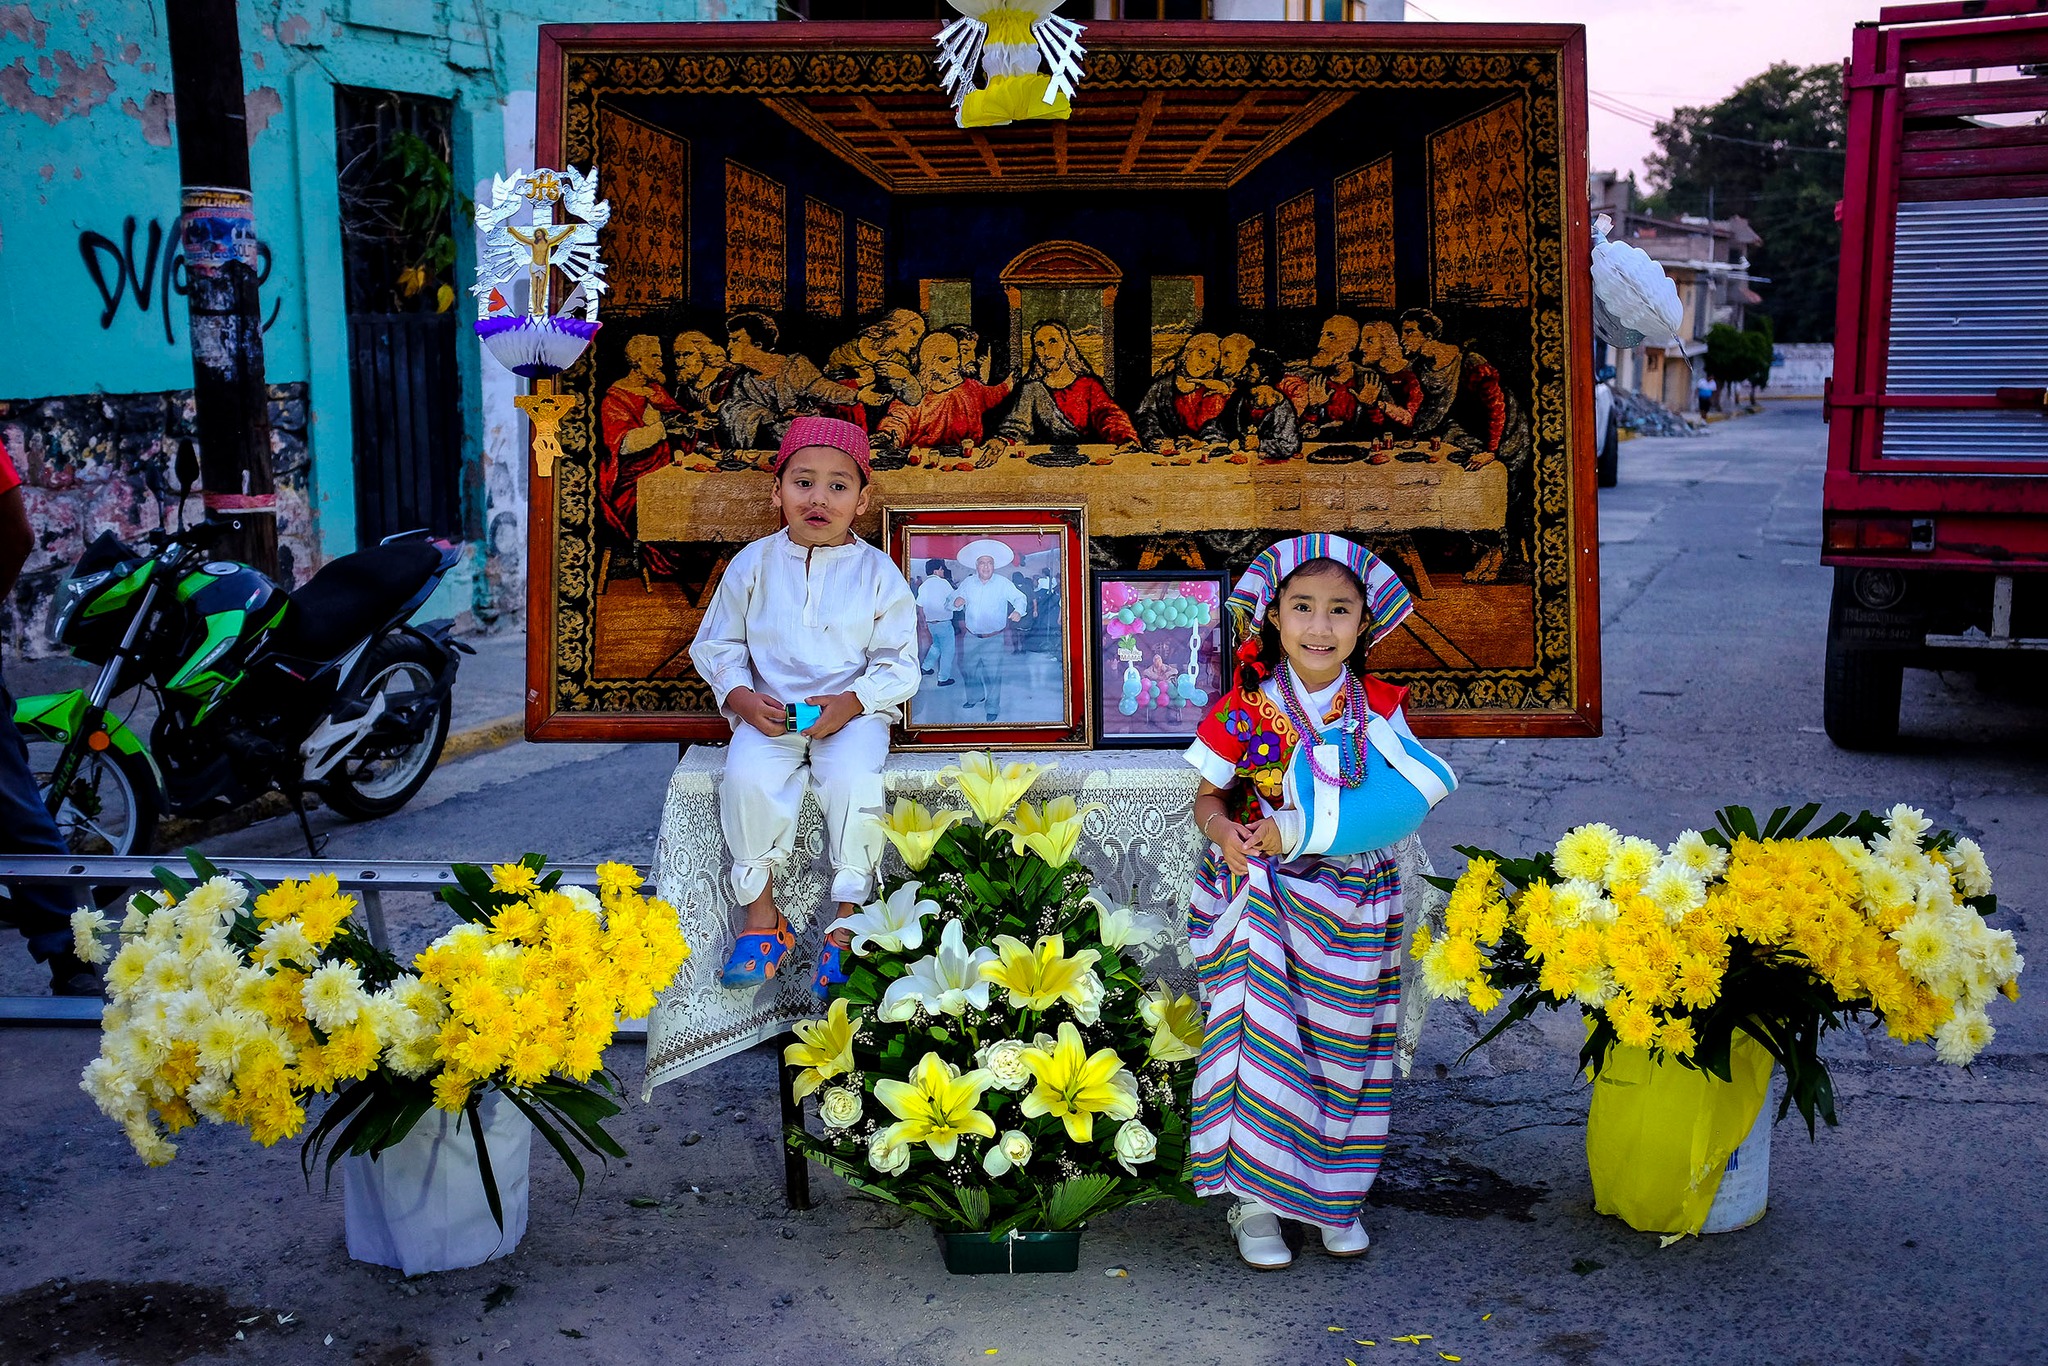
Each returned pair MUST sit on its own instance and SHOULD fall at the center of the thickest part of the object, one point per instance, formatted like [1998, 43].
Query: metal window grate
[1969, 315]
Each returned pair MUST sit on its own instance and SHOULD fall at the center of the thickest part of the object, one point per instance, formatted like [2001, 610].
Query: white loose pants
[763, 792]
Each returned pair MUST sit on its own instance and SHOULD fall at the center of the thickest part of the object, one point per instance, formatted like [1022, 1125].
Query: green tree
[1772, 152]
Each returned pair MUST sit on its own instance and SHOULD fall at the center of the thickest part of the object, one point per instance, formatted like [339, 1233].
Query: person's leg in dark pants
[40, 911]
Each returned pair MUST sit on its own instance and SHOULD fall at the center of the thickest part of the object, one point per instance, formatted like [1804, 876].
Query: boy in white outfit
[810, 647]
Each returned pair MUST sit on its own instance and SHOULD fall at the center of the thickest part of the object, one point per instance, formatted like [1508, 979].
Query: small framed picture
[1162, 653]
[1002, 634]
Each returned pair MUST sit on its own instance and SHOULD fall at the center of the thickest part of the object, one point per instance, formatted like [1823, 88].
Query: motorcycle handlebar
[197, 535]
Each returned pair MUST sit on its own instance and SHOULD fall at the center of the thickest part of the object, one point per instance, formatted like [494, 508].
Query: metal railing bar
[390, 875]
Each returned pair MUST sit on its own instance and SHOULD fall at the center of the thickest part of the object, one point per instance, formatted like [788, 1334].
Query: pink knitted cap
[837, 433]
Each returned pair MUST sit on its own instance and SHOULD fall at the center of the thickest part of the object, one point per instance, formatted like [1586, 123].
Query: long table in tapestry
[1405, 487]
[1143, 845]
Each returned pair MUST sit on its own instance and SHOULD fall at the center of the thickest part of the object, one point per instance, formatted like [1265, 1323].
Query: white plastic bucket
[421, 1205]
[1746, 1184]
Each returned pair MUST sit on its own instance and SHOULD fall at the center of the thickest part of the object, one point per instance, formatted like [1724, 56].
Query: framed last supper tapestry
[1265, 279]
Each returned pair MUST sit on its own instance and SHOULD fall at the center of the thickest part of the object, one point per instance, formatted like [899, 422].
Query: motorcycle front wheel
[385, 776]
[111, 807]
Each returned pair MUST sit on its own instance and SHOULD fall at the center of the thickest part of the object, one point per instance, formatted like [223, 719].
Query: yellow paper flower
[936, 1106]
[1036, 979]
[915, 830]
[990, 791]
[1075, 1086]
[824, 1049]
[1050, 831]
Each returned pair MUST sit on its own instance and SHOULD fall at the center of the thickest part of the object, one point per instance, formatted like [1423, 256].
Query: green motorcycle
[323, 688]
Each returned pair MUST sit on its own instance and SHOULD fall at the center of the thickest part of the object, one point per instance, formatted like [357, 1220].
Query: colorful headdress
[837, 433]
[1386, 599]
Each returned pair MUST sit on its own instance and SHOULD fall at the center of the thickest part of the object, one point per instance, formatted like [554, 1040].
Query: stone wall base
[86, 463]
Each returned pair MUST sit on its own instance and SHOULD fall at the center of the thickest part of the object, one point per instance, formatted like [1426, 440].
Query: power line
[1607, 104]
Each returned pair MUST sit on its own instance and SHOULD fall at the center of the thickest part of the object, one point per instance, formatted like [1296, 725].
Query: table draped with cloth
[1142, 845]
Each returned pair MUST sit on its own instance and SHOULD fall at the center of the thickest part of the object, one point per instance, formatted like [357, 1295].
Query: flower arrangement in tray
[993, 1061]
[1744, 928]
[241, 1004]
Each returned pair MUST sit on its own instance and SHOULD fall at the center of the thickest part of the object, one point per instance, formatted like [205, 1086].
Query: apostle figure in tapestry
[635, 442]
[1184, 406]
[1259, 419]
[878, 359]
[1323, 387]
[704, 379]
[775, 389]
[953, 405]
[1389, 394]
[1465, 400]
[1061, 401]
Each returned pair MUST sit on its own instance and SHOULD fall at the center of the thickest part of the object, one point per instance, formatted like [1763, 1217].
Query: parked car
[1608, 426]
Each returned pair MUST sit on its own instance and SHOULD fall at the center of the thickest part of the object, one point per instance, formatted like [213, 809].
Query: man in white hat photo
[988, 603]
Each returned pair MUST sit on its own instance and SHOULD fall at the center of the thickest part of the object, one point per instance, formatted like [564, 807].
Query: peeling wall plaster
[59, 88]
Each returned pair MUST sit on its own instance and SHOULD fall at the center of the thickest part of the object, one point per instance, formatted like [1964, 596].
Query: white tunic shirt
[989, 602]
[792, 623]
[935, 599]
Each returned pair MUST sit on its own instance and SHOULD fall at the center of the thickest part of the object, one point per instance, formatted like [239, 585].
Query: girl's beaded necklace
[1350, 744]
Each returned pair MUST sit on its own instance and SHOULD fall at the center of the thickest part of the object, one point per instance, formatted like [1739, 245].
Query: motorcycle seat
[352, 596]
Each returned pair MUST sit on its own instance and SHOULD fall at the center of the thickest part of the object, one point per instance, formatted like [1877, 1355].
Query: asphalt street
[1908, 1235]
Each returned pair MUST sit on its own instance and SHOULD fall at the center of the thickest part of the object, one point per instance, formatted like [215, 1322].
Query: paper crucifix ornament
[517, 262]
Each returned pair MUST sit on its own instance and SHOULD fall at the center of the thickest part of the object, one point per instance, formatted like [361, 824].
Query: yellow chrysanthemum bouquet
[243, 1005]
[994, 1061]
[1737, 929]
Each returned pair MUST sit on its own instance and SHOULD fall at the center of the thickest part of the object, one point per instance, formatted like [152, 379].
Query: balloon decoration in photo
[1148, 620]
[517, 264]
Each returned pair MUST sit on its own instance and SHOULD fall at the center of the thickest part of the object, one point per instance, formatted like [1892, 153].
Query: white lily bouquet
[993, 1060]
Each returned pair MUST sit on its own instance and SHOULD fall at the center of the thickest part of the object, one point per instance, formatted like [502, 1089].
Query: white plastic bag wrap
[421, 1206]
[1633, 299]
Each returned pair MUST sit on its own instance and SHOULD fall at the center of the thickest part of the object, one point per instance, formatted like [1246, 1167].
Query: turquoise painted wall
[87, 142]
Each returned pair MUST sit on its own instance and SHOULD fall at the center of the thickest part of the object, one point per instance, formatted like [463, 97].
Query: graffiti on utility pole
[150, 278]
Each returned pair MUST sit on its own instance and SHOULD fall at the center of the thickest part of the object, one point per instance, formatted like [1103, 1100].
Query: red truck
[1935, 507]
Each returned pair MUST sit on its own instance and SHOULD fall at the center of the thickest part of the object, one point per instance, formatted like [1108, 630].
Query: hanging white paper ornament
[1633, 299]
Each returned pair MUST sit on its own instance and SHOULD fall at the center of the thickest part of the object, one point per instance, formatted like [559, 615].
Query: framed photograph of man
[1002, 640]
[1162, 654]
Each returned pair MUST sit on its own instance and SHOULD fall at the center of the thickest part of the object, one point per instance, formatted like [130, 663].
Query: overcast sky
[1655, 55]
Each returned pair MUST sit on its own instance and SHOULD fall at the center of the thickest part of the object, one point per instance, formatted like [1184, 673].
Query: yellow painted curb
[490, 735]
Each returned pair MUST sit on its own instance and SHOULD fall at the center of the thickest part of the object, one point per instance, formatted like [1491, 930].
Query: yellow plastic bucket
[1659, 1137]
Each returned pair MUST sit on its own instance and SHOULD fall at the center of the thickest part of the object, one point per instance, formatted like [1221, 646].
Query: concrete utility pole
[217, 231]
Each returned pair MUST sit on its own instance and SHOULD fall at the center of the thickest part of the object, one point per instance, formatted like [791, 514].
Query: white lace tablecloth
[1143, 845]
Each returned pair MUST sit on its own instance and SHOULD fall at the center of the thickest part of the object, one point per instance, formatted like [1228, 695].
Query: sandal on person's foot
[831, 970]
[755, 956]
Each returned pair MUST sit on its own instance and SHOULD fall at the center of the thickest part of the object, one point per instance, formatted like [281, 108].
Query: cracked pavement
[1908, 1235]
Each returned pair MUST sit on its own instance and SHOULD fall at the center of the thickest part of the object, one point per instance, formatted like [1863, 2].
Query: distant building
[1708, 259]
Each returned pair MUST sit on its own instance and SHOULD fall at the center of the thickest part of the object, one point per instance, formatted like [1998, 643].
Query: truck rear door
[1939, 405]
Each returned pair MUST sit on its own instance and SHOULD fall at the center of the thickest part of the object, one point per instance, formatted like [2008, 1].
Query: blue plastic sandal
[755, 956]
[831, 970]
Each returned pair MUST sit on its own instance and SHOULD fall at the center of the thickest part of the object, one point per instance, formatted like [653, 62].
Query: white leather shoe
[1347, 1242]
[1259, 1243]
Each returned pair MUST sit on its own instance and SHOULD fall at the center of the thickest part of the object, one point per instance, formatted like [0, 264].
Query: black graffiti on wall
[151, 277]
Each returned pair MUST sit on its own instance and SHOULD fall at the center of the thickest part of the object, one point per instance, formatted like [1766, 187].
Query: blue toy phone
[798, 717]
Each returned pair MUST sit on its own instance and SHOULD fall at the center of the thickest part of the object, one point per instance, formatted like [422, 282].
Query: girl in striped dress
[1300, 962]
